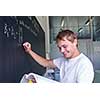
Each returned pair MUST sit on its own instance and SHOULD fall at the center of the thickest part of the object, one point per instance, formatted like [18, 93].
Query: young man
[74, 66]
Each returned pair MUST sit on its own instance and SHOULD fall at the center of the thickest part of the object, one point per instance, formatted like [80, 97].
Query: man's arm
[42, 61]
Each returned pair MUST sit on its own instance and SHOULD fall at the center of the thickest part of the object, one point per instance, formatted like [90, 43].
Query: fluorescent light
[62, 22]
[87, 22]
[80, 30]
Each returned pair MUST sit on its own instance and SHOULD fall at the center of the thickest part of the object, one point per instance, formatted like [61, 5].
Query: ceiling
[77, 24]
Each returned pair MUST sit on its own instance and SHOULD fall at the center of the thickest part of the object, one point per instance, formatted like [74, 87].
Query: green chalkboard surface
[14, 61]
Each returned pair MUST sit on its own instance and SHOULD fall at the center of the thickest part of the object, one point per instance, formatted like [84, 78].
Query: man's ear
[75, 42]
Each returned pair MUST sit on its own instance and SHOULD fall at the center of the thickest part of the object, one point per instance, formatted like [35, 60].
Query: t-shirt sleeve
[58, 61]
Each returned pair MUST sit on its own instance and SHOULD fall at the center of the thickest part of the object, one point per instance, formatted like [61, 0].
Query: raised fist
[27, 46]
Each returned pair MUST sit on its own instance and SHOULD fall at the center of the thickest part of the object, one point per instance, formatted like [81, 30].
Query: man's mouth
[65, 54]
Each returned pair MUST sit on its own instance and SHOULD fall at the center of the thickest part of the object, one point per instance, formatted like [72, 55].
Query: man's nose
[62, 50]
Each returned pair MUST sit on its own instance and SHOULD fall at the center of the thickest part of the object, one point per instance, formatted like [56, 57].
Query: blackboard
[14, 61]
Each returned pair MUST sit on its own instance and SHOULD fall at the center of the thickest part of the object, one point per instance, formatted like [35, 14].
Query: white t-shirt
[75, 70]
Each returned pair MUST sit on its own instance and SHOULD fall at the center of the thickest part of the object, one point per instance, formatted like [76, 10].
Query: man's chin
[67, 57]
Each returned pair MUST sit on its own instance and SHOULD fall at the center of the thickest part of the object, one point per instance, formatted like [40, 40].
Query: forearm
[42, 61]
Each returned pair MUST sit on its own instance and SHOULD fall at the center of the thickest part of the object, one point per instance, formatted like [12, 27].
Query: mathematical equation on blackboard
[14, 27]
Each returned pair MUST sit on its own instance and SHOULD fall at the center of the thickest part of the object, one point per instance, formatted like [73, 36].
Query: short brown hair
[70, 35]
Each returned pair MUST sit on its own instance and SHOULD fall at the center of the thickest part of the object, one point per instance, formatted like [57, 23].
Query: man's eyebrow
[61, 45]
[57, 46]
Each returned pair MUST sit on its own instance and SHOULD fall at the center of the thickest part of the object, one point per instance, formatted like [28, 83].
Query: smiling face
[67, 44]
[67, 48]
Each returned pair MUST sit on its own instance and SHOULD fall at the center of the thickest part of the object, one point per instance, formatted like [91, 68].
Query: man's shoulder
[85, 59]
[59, 58]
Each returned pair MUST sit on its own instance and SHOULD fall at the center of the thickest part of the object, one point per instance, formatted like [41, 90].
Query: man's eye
[59, 48]
[64, 46]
